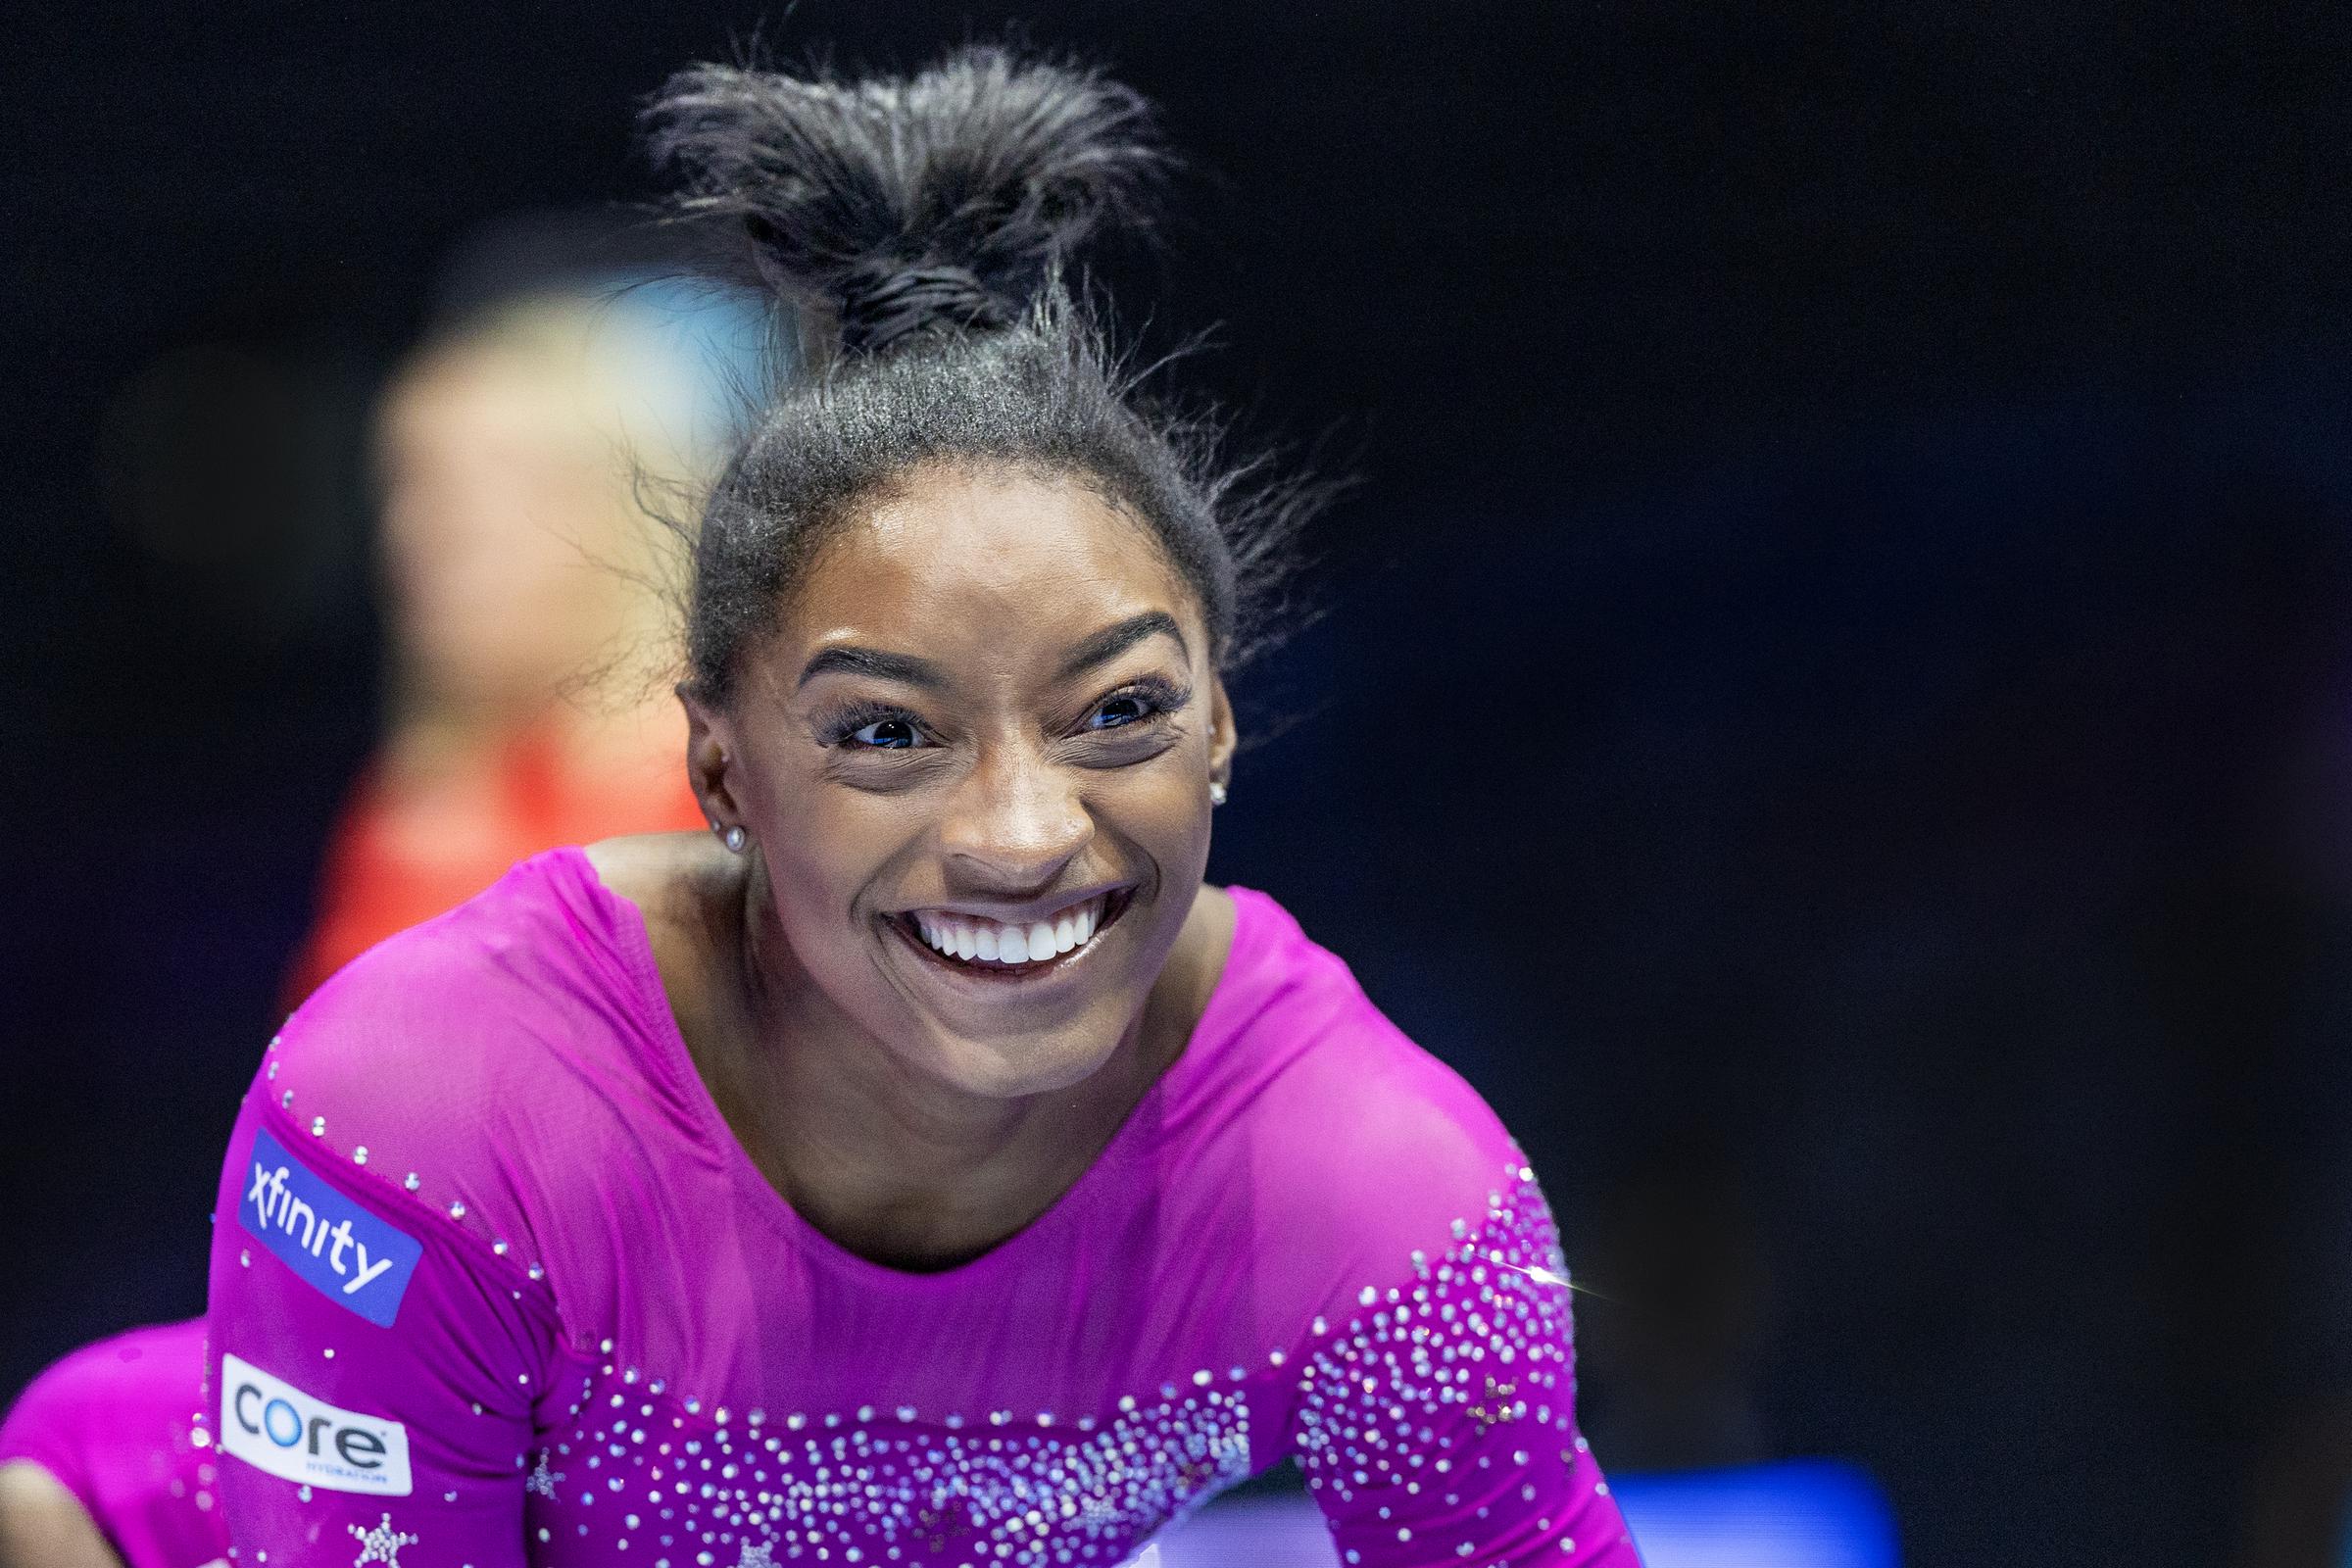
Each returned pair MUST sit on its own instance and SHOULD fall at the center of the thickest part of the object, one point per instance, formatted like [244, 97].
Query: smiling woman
[989, 714]
[927, 1166]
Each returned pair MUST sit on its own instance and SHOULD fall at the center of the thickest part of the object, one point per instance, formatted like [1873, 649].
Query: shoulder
[466, 1063]
[1361, 1135]
[440, 1012]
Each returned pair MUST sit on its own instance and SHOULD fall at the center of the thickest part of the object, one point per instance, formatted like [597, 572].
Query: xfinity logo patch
[354, 1259]
[274, 1426]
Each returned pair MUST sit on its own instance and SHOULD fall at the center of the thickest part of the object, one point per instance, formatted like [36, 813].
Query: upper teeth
[968, 936]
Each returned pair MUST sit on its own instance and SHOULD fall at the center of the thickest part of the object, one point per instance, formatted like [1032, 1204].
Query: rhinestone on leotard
[1392, 1403]
[906, 1491]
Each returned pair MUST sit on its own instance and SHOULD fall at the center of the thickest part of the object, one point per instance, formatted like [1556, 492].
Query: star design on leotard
[1504, 1410]
[757, 1554]
[543, 1480]
[380, 1544]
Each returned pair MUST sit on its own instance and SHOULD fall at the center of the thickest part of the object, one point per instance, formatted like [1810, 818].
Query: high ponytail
[941, 202]
[920, 230]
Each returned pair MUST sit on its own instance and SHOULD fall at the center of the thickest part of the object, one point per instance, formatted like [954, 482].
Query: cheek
[815, 897]
[826, 848]
[1164, 814]
[817, 859]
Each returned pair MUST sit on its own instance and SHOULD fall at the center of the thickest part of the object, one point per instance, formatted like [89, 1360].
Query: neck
[894, 1166]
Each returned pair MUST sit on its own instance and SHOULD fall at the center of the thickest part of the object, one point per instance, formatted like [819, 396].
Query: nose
[1013, 822]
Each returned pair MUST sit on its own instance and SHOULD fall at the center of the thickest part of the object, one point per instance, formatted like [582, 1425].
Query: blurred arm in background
[43, 1524]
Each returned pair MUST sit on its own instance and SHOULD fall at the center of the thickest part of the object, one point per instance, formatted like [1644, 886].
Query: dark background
[1833, 713]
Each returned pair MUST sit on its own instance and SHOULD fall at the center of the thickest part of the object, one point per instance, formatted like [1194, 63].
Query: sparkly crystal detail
[1405, 1392]
[879, 1487]
[381, 1543]
[1450, 1374]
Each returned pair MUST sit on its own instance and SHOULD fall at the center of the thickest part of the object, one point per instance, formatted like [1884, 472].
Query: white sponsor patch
[274, 1426]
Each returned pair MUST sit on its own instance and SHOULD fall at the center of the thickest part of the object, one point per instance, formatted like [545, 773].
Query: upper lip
[1026, 913]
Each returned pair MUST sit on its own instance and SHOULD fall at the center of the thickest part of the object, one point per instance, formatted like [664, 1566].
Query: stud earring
[734, 839]
[1216, 793]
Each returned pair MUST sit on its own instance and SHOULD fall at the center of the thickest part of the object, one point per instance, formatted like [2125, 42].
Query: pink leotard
[493, 1284]
[119, 1424]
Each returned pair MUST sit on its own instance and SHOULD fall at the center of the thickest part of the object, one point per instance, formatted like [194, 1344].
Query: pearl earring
[734, 839]
[1216, 793]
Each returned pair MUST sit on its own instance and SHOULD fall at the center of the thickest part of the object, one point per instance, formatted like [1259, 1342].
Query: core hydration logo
[355, 1259]
[274, 1426]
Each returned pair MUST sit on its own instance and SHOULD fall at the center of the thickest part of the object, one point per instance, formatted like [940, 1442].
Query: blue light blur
[1814, 1513]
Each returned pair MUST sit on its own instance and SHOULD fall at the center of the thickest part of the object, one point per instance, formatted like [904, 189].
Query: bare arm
[42, 1525]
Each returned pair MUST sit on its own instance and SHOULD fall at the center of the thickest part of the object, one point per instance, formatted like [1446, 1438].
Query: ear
[710, 756]
[1220, 732]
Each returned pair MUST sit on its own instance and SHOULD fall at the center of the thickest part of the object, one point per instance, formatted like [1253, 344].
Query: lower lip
[1001, 976]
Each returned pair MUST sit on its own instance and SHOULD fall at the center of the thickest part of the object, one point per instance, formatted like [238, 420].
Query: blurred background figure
[526, 459]
[105, 1462]
[518, 454]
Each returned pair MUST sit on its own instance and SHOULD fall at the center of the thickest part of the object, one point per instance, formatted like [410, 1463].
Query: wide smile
[974, 948]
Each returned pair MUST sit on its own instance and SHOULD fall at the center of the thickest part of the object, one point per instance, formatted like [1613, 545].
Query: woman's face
[499, 499]
[986, 722]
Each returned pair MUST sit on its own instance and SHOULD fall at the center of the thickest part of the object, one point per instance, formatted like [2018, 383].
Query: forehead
[1001, 555]
[477, 395]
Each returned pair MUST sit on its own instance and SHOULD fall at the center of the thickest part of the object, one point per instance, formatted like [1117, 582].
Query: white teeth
[967, 937]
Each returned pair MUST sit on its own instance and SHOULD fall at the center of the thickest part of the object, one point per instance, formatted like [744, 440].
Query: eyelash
[1159, 697]
[849, 721]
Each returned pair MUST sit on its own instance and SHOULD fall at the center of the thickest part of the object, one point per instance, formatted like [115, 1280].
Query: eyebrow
[1113, 640]
[1102, 647]
[856, 660]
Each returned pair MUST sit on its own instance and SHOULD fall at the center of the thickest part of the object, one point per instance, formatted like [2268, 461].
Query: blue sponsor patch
[354, 1259]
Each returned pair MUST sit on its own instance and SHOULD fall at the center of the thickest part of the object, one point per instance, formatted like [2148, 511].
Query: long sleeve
[373, 1368]
[1436, 1419]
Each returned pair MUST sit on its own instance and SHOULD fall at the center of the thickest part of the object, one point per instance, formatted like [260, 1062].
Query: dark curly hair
[920, 230]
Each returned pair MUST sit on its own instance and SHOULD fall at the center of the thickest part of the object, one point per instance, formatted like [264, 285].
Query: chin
[1022, 1066]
